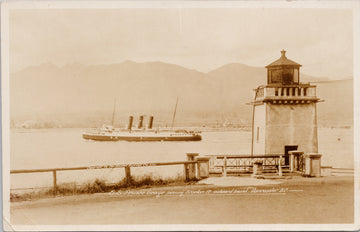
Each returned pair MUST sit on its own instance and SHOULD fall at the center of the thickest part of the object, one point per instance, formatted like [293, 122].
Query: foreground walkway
[238, 181]
[230, 200]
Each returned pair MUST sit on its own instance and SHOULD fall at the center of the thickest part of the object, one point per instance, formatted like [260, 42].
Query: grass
[97, 186]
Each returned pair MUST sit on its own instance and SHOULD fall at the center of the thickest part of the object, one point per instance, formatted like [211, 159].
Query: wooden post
[224, 167]
[187, 170]
[127, 174]
[191, 156]
[257, 168]
[292, 161]
[54, 182]
[191, 168]
[280, 168]
[203, 167]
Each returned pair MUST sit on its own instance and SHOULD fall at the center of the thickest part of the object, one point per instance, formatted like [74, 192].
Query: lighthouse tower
[284, 111]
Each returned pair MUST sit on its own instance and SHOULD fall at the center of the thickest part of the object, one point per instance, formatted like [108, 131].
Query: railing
[298, 91]
[349, 171]
[189, 167]
[225, 164]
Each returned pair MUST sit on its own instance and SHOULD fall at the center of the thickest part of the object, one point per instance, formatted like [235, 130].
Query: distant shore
[197, 128]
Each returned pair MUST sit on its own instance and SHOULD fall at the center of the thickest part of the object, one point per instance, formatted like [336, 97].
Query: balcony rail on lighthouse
[283, 92]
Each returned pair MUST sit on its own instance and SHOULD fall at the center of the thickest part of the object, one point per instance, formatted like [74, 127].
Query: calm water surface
[56, 148]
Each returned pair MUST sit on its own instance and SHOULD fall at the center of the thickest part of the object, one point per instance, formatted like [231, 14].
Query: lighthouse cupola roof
[283, 61]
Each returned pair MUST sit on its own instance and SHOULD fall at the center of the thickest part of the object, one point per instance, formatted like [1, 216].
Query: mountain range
[78, 95]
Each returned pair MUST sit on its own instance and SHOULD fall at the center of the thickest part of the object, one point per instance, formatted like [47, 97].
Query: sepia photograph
[180, 115]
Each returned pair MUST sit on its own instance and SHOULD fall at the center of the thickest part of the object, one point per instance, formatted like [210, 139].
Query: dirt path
[322, 200]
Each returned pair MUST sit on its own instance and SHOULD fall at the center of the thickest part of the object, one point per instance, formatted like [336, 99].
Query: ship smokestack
[141, 119]
[151, 122]
[131, 118]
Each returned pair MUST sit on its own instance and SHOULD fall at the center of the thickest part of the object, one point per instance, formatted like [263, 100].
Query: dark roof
[283, 61]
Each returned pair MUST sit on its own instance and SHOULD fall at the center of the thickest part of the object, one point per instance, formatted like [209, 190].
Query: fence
[189, 168]
[201, 167]
[226, 164]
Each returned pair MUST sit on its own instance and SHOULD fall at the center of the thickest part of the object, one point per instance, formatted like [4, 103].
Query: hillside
[82, 96]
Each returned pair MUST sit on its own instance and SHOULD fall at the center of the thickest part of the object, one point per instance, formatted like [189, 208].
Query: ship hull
[140, 138]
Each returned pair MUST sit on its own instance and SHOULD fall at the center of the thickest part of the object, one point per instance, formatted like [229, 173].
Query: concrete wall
[290, 125]
[259, 126]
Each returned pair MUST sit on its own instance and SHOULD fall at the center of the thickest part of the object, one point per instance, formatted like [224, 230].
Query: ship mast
[113, 116]
[173, 120]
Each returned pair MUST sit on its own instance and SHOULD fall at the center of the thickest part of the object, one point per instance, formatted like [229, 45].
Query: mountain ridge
[150, 88]
[127, 62]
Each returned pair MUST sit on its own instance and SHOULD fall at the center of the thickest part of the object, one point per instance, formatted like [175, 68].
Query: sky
[197, 38]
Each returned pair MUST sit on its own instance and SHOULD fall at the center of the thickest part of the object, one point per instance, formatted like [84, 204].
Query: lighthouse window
[287, 76]
[276, 76]
[296, 76]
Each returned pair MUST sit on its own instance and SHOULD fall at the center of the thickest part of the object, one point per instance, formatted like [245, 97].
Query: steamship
[141, 134]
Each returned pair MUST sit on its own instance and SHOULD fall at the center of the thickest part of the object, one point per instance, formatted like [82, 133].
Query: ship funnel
[151, 119]
[131, 118]
[141, 119]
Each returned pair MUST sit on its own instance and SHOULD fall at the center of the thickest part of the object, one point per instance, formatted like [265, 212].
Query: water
[59, 148]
